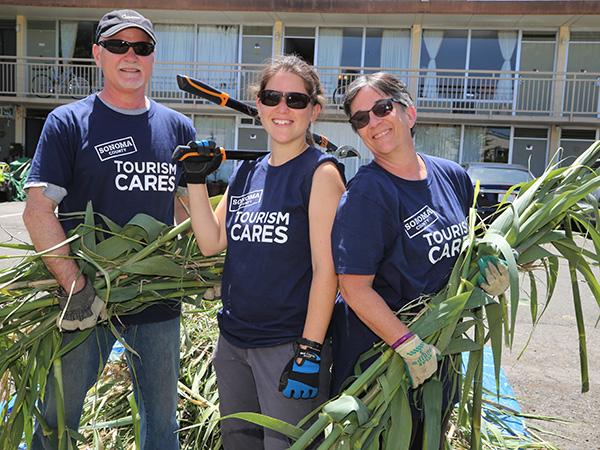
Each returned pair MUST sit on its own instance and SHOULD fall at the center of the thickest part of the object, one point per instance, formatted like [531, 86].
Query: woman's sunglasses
[381, 108]
[294, 100]
[120, 47]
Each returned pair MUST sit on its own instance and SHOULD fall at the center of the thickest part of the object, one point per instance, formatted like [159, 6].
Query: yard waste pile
[133, 266]
[530, 233]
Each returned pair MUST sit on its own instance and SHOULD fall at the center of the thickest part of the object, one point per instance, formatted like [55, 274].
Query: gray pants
[248, 381]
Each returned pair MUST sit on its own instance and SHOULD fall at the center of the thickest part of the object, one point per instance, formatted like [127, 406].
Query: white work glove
[494, 278]
[421, 359]
[81, 310]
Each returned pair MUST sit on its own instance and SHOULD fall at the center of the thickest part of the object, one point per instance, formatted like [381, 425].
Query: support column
[278, 38]
[21, 28]
[559, 87]
[415, 47]
[20, 71]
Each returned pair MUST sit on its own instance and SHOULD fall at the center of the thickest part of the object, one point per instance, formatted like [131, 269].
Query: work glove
[421, 359]
[301, 380]
[494, 278]
[81, 310]
[200, 159]
[212, 293]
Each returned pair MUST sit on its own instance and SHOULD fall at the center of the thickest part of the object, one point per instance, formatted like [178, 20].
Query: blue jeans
[154, 372]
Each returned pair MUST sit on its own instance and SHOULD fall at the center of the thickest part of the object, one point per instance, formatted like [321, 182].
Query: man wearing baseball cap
[114, 149]
[115, 21]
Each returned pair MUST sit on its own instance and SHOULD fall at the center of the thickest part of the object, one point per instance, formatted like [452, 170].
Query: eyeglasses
[381, 108]
[120, 47]
[294, 100]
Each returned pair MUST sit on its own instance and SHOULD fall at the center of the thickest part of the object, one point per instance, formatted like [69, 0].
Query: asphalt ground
[542, 367]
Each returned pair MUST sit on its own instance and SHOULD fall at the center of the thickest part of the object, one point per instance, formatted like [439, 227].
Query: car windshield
[493, 175]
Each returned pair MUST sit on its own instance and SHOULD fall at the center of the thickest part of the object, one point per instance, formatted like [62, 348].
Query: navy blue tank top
[268, 272]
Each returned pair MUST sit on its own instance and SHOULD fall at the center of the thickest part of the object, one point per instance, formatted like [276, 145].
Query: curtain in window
[175, 45]
[508, 43]
[221, 129]
[68, 36]
[433, 41]
[218, 44]
[395, 51]
[473, 144]
[329, 54]
[438, 140]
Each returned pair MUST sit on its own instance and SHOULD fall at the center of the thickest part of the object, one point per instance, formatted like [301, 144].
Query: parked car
[495, 179]
[6, 181]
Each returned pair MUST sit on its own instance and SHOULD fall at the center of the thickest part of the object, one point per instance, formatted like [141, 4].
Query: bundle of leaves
[133, 266]
[531, 232]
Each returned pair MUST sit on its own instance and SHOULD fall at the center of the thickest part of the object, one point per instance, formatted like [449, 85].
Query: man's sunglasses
[294, 100]
[120, 47]
[381, 108]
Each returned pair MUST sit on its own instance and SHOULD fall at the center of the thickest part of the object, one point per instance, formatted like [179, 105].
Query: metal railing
[570, 96]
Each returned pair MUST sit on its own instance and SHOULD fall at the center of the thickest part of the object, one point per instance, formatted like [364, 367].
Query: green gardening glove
[494, 278]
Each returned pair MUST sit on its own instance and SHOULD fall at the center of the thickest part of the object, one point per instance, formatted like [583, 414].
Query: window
[353, 48]
[574, 143]
[300, 41]
[220, 129]
[486, 144]
[174, 48]
[581, 92]
[472, 50]
[438, 140]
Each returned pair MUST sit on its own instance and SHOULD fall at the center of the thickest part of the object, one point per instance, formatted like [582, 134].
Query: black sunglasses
[381, 108]
[294, 100]
[120, 47]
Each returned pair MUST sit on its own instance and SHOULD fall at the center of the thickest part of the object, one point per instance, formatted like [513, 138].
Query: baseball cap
[115, 21]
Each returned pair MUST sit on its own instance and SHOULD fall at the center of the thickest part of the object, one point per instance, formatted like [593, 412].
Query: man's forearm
[46, 232]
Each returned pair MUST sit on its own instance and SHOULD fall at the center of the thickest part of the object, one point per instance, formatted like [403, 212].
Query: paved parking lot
[12, 229]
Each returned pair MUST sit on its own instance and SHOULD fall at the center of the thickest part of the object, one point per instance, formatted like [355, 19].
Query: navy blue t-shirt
[268, 271]
[407, 233]
[121, 163]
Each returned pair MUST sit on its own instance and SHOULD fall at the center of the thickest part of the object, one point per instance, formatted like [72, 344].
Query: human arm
[300, 377]
[420, 358]
[371, 308]
[181, 207]
[327, 189]
[46, 232]
[79, 304]
[208, 225]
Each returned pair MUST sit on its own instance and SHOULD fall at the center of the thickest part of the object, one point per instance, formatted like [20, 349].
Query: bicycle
[45, 85]
[344, 80]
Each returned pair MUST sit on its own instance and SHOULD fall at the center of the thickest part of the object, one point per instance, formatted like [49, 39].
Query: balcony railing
[562, 96]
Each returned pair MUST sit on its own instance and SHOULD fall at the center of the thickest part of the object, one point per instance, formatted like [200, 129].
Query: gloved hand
[200, 159]
[421, 359]
[494, 278]
[212, 293]
[82, 310]
[301, 380]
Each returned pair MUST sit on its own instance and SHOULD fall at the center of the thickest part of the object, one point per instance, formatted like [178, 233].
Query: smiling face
[128, 73]
[287, 126]
[386, 136]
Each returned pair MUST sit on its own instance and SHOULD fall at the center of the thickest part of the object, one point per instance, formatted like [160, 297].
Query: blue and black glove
[200, 159]
[301, 379]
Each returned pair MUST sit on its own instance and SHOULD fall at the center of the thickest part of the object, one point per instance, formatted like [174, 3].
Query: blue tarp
[505, 397]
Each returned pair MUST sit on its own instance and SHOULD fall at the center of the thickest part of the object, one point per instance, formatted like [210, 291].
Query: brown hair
[386, 84]
[297, 66]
